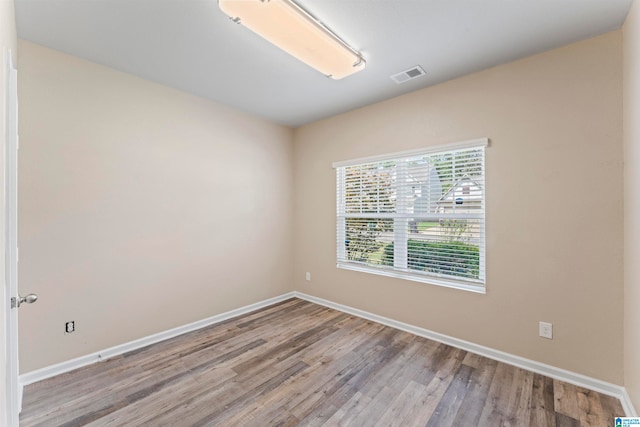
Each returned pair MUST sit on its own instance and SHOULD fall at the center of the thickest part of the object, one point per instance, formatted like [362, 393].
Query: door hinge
[14, 302]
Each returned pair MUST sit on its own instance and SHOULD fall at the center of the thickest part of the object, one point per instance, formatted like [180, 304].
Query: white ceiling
[192, 46]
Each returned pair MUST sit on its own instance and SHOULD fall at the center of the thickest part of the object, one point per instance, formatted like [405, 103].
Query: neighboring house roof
[451, 193]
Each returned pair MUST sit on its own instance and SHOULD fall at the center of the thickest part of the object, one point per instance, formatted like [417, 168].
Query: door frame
[13, 386]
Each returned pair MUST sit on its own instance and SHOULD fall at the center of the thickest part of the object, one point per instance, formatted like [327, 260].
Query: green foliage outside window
[461, 260]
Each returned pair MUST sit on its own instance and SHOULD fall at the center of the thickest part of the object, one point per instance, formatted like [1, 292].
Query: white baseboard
[609, 389]
[627, 405]
[61, 368]
[20, 394]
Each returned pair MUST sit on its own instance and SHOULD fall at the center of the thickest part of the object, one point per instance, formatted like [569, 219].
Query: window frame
[400, 233]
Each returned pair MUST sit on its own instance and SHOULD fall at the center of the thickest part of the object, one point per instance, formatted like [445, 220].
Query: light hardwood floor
[297, 363]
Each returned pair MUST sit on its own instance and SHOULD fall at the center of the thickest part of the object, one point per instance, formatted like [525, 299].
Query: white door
[14, 390]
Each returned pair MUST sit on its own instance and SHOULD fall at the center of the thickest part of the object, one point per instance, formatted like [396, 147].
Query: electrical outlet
[308, 276]
[546, 330]
[70, 327]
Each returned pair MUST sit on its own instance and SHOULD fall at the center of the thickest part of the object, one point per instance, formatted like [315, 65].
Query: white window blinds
[417, 215]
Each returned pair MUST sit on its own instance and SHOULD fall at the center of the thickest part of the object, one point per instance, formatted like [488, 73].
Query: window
[416, 215]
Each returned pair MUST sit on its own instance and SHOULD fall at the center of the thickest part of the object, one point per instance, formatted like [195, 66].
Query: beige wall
[631, 43]
[142, 208]
[7, 42]
[554, 205]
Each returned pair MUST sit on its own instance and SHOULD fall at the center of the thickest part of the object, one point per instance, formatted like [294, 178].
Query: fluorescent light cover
[293, 30]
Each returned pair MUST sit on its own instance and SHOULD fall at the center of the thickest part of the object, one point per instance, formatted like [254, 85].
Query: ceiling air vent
[406, 75]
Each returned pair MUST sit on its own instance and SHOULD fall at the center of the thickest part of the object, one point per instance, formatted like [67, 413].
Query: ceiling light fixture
[292, 29]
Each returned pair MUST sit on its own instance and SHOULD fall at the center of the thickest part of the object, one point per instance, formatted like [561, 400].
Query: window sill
[415, 278]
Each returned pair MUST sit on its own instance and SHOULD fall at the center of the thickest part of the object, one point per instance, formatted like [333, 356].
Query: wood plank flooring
[300, 364]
